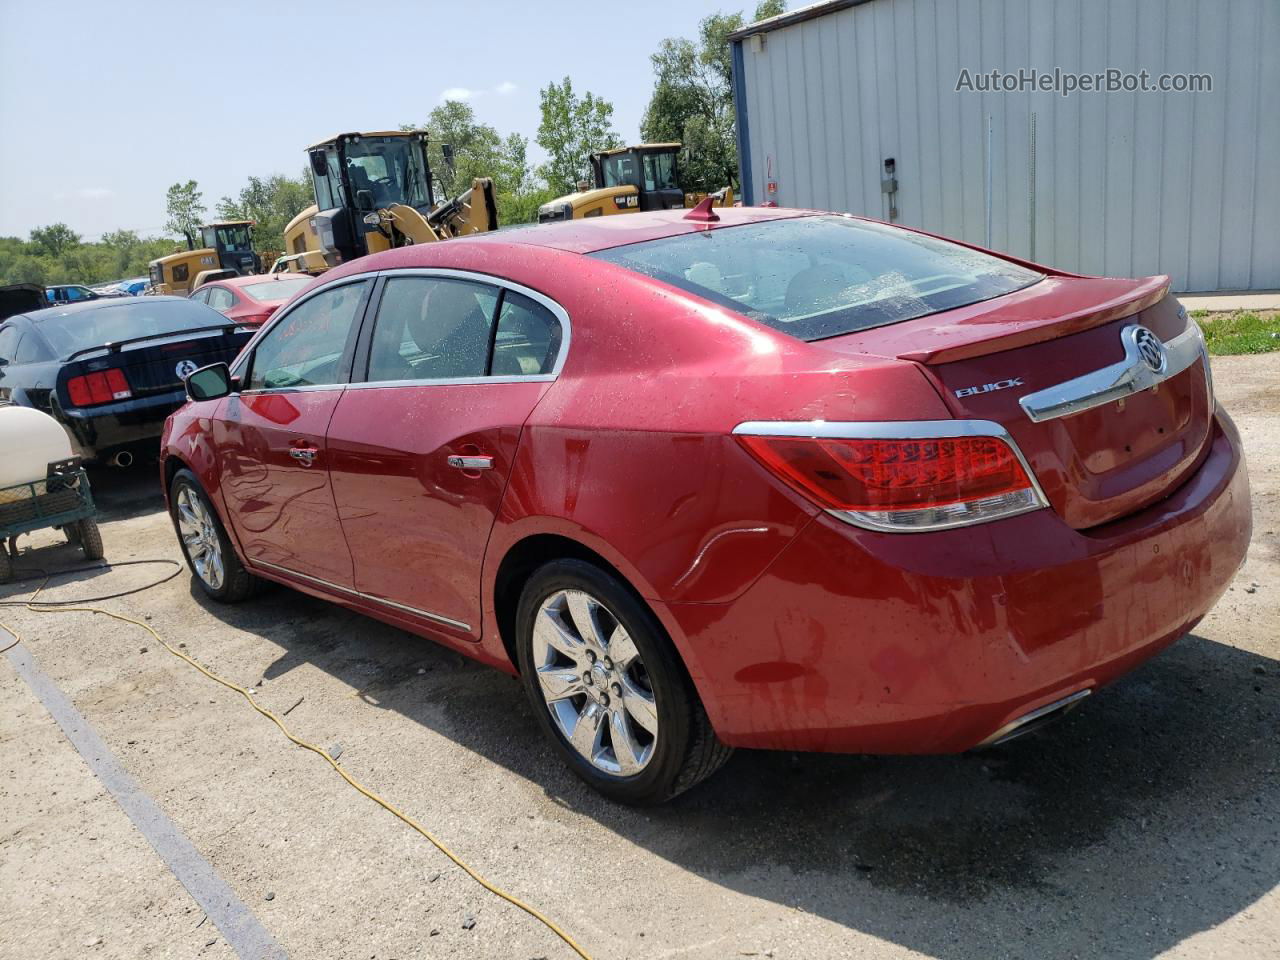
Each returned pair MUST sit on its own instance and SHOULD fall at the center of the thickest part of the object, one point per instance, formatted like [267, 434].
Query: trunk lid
[158, 365]
[1114, 451]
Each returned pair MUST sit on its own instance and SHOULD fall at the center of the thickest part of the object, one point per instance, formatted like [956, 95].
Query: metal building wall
[1127, 184]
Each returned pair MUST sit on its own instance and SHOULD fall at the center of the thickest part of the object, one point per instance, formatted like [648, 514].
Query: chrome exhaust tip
[122, 459]
[1035, 719]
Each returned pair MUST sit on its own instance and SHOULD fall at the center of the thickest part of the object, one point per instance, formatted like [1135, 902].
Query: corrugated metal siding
[1127, 184]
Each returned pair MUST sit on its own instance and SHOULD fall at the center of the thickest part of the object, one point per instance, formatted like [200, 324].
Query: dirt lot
[1145, 824]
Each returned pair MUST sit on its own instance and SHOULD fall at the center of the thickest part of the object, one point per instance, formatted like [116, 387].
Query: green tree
[270, 202]
[475, 146]
[54, 240]
[692, 99]
[182, 203]
[572, 128]
[478, 150]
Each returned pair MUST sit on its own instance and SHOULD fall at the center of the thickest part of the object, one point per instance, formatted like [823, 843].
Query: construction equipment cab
[627, 180]
[373, 192]
[228, 247]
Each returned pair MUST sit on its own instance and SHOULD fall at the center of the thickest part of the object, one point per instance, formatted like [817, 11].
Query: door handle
[471, 463]
[304, 455]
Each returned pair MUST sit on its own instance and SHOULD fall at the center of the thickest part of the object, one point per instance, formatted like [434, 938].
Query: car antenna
[703, 212]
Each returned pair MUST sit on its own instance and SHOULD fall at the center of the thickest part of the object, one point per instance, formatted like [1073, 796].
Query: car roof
[592, 234]
[105, 303]
[256, 278]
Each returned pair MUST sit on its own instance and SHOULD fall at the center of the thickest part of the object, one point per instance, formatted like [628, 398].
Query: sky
[103, 105]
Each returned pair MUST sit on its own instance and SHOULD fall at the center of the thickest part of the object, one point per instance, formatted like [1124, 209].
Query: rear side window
[306, 347]
[221, 299]
[31, 350]
[528, 338]
[817, 277]
[430, 328]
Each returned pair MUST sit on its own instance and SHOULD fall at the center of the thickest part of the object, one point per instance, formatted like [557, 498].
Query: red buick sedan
[771, 479]
[251, 300]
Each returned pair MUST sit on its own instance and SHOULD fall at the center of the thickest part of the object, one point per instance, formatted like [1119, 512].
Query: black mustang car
[111, 370]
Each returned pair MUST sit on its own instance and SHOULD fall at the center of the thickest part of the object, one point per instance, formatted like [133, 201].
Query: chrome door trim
[438, 618]
[894, 430]
[1119, 380]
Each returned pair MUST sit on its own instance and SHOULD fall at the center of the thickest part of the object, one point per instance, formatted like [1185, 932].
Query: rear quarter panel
[631, 454]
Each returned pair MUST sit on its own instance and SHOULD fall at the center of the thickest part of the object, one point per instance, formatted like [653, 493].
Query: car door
[422, 442]
[270, 437]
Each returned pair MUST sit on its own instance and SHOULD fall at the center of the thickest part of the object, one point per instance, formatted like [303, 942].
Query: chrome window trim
[1118, 380]
[560, 313]
[447, 273]
[900, 430]
[280, 315]
[438, 618]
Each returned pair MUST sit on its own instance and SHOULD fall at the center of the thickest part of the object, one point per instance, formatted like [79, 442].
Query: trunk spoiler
[117, 345]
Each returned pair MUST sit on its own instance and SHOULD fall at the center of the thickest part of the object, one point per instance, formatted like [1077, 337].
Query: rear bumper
[98, 432]
[863, 642]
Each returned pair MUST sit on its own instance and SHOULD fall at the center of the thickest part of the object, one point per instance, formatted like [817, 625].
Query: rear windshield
[817, 277]
[109, 323]
[271, 290]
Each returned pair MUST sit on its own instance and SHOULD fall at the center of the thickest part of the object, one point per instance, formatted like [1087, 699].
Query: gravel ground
[1144, 824]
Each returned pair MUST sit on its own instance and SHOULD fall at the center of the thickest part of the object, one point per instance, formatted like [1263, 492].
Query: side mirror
[318, 165]
[446, 152]
[209, 383]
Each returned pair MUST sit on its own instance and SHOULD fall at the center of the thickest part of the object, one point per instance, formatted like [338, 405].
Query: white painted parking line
[237, 924]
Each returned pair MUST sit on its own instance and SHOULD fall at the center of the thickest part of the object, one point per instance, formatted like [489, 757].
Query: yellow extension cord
[546, 921]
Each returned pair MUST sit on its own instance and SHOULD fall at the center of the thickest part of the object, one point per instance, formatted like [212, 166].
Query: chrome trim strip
[446, 621]
[1014, 727]
[454, 381]
[1117, 381]
[899, 430]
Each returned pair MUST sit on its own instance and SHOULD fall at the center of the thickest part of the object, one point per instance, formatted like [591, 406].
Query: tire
[72, 532]
[647, 685]
[234, 583]
[89, 538]
[6, 563]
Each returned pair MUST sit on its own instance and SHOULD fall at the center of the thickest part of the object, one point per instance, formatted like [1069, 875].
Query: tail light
[92, 389]
[927, 475]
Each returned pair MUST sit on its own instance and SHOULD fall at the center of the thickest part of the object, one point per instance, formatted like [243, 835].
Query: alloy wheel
[199, 535]
[594, 682]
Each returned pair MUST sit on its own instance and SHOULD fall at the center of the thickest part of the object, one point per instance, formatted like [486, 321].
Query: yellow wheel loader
[628, 180]
[374, 191]
[227, 251]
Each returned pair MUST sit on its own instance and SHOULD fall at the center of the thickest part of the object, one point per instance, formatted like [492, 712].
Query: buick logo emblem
[1150, 348]
[185, 368]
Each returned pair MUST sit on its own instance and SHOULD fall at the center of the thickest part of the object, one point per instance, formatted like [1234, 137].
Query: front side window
[620, 170]
[659, 171]
[234, 239]
[431, 328]
[817, 277]
[307, 346]
[386, 170]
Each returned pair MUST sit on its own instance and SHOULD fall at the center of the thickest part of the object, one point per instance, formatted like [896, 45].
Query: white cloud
[458, 93]
[504, 88]
[95, 193]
